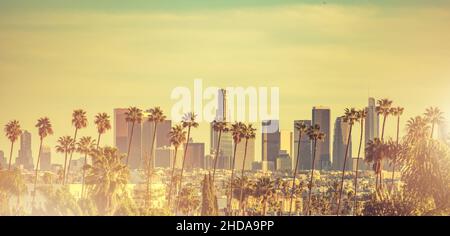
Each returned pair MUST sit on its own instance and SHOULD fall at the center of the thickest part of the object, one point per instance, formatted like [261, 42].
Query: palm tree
[375, 153]
[133, 116]
[248, 133]
[156, 116]
[264, 188]
[188, 122]
[417, 129]
[397, 112]
[384, 109]
[103, 124]
[350, 117]
[12, 132]
[314, 135]
[44, 129]
[107, 178]
[434, 116]
[301, 129]
[221, 127]
[237, 135]
[65, 145]
[361, 117]
[85, 146]
[79, 120]
[177, 136]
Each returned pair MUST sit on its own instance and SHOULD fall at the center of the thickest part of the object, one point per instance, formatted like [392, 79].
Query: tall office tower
[164, 157]
[321, 116]
[371, 129]
[270, 143]
[46, 159]
[250, 157]
[341, 132]
[226, 140]
[372, 122]
[120, 130]
[162, 139]
[25, 159]
[2, 160]
[122, 135]
[284, 162]
[195, 155]
[286, 141]
[305, 148]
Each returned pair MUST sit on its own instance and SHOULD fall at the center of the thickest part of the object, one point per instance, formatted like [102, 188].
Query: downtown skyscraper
[226, 141]
[25, 158]
[340, 141]
[270, 139]
[321, 116]
[161, 139]
[372, 126]
[305, 148]
[122, 135]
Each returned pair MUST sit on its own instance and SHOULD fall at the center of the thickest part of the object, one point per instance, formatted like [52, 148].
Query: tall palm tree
[314, 135]
[417, 129]
[65, 145]
[375, 153]
[133, 116]
[248, 133]
[177, 136]
[361, 117]
[301, 129]
[12, 132]
[220, 127]
[103, 124]
[237, 135]
[106, 178]
[434, 116]
[44, 129]
[79, 120]
[188, 122]
[85, 147]
[156, 116]
[397, 112]
[384, 109]
[350, 117]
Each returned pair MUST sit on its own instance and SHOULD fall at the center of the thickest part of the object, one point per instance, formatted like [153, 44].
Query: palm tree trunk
[129, 143]
[36, 172]
[382, 130]
[98, 139]
[84, 174]
[71, 153]
[355, 205]
[394, 161]
[295, 172]
[171, 176]
[64, 171]
[242, 176]
[217, 156]
[10, 155]
[312, 177]
[343, 169]
[432, 130]
[230, 194]
[182, 168]
[149, 164]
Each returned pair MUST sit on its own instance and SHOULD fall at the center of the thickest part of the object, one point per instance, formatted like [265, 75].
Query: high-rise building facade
[340, 141]
[122, 135]
[195, 155]
[371, 129]
[162, 140]
[321, 116]
[240, 152]
[46, 159]
[270, 143]
[25, 158]
[305, 148]
[286, 141]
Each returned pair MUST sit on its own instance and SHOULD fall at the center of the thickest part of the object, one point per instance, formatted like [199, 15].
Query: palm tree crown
[188, 120]
[44, 127]
[315, 134]
[79, 119]
[12, 130]
[177, 136]
[102, 120]
[384, 107]
[65, 144]
[156, 115]
[133, 115]
[85, 145]
[350, 116]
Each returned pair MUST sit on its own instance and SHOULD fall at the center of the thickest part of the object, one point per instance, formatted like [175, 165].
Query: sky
[57, 56]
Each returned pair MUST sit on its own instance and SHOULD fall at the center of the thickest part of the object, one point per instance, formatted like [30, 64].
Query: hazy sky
[56, 56]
